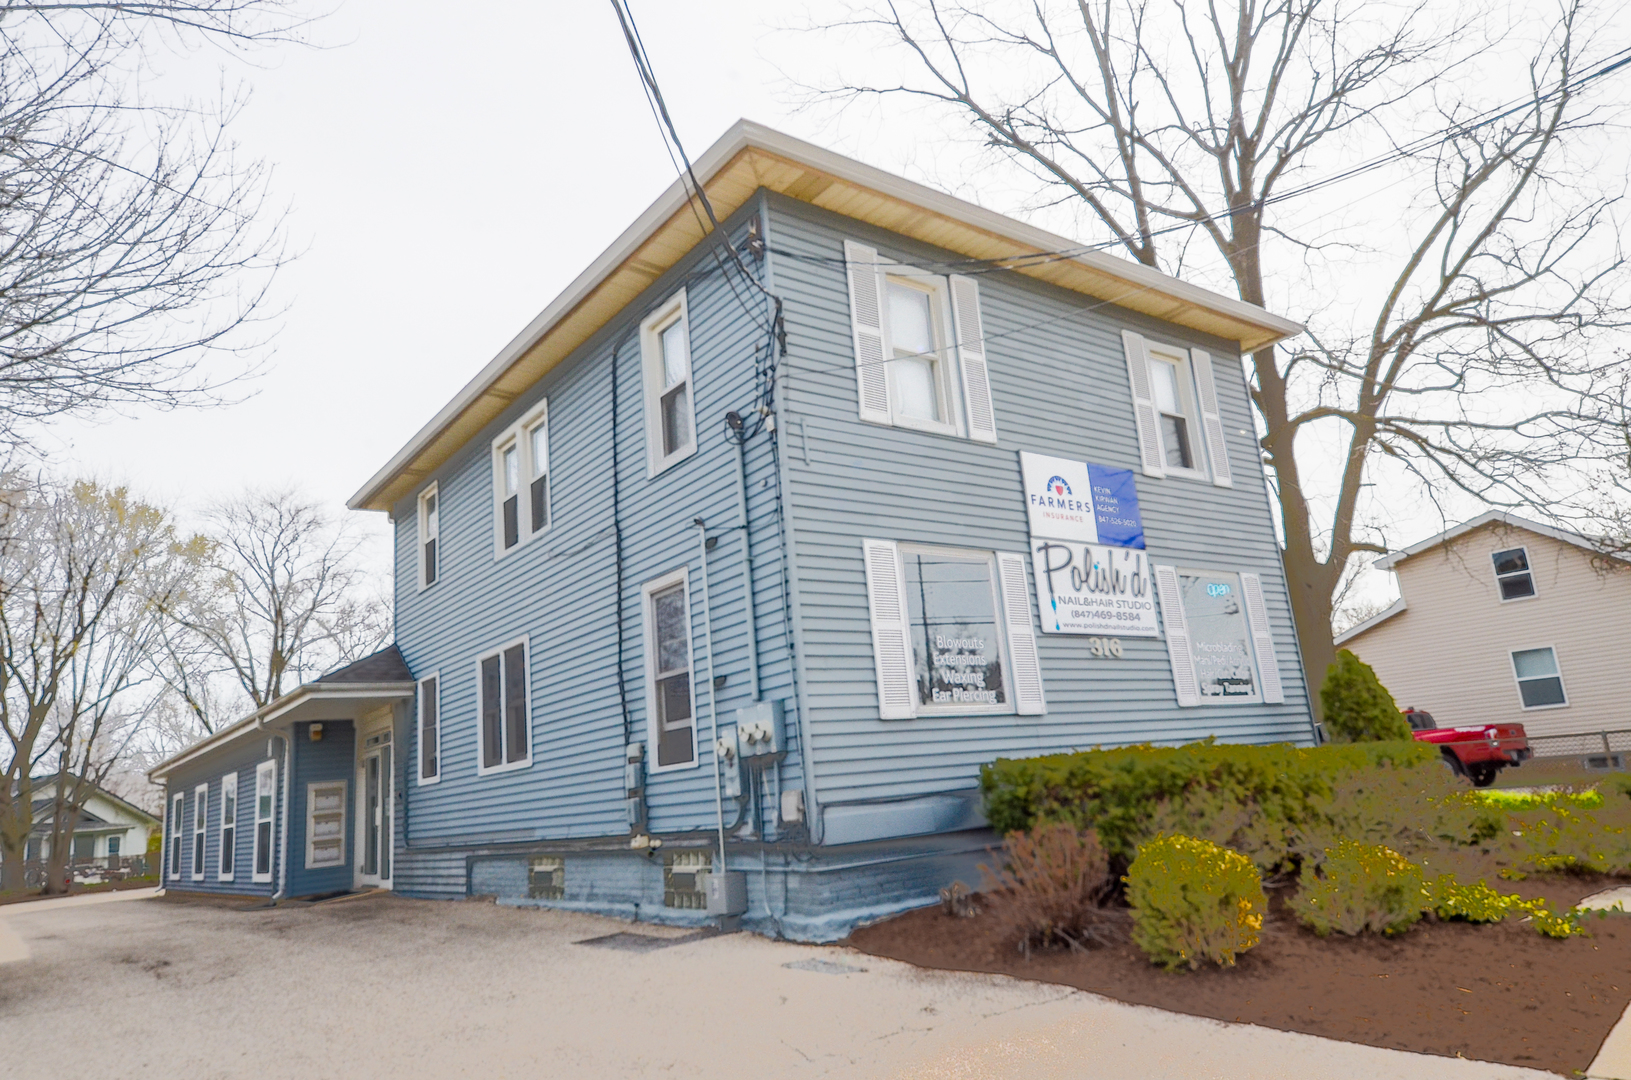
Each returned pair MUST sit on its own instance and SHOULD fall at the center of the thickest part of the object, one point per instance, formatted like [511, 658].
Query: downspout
[713, 693]
[283, 832]
[747, 554]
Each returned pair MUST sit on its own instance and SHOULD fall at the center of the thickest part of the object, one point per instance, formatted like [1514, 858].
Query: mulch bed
[1498, 993]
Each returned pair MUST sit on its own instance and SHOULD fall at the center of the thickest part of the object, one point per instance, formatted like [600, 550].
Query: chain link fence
[1596, 749]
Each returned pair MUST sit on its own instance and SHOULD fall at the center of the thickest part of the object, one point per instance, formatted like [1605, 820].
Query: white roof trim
[742, 135]
[1380, 617]
[1489, 517]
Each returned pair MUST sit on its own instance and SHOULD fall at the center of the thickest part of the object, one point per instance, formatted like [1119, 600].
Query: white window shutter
[866, 319]
[1025, 681]
[1138, 377]
[965, 303]
[1217, 448]
[1177, 628]
[1257, 614]
[886, 601]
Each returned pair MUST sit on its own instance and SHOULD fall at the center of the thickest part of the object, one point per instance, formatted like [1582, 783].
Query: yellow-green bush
[1555, 837]
[1361, 887]
[1518, 801]
[1193, 900]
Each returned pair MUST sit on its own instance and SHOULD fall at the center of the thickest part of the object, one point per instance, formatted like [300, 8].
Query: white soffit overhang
[750, 156]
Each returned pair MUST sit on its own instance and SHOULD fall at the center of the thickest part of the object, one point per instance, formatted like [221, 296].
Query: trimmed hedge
[1115, 792]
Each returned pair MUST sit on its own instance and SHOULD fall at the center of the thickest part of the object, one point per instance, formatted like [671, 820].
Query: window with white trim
[201, 813]
[265, 806]
[535, 433]
[669, 381]
[670, 697]
[919, 347]
[1540, 682]
[504, 733]
[178, 807]
[226, 861]
[1218, 637]
[507, 492]
[952, 631]
[325, 824]
[1512, 574]
[521, 481]
[430, 729]
[430, 530]
[1176, 411]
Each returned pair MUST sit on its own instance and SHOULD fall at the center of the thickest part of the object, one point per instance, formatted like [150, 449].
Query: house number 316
[1104, 646]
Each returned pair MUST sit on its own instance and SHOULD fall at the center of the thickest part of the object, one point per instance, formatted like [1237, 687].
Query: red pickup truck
[1478, 752]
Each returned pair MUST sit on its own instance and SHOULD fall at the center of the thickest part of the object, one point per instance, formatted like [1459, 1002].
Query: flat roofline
[746, 158]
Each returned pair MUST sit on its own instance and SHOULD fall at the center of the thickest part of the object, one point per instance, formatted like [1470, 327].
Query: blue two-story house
[750, 550]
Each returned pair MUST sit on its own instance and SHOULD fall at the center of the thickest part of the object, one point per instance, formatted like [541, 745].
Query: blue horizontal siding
[241, 756]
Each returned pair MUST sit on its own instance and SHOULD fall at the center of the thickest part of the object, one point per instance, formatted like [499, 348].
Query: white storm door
[374, 818]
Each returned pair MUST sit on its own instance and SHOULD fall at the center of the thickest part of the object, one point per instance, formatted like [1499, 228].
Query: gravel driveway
[385, 987]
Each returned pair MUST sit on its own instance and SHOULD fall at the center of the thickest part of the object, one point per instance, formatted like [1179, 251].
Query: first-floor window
[265, 802]
[325, 824]
[1540, 683]
[177, 807]
[1218, 637]
[229, 825]
[114, 845]
[502, 680]
[201, 805]
[668, 670]
[430, 730]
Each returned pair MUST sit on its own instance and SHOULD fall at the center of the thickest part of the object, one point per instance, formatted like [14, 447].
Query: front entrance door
[374, 811]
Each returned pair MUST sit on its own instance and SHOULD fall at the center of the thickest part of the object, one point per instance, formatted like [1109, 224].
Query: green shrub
[1361, 887]
[1551, 838]
[1417, 811]
[1357, 706]
[1260, 799]
[1192, 901]
[1517, 801]
[1619, 782]
[1478, 903]
[1052, 890]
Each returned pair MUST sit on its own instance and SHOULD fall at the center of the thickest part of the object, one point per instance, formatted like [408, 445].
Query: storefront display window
[955, 631]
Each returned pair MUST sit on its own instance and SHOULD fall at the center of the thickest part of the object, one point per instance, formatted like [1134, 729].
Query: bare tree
[284, 598]
[1473, 370]
[85, 572]
[135, 242]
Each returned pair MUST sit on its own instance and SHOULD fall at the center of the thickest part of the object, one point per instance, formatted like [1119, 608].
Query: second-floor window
[1176, 411]
[521, 481]
[919, 347]
[665, 352]
[429, 530]
[1512, 574]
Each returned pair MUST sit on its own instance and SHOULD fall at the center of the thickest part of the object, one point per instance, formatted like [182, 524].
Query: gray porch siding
[1059, 384]
[560, 591]
[242, 758]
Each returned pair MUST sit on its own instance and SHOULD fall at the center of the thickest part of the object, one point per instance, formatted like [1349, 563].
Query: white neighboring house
[108, 827]
[1500, 619]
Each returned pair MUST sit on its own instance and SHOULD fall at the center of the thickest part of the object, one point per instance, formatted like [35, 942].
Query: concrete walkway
[393, 988]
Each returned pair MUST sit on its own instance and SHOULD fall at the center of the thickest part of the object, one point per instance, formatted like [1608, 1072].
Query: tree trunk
[1311, 609]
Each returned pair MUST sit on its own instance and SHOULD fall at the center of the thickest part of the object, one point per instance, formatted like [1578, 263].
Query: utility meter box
[730, 763]
[727, 893]
[759, 730]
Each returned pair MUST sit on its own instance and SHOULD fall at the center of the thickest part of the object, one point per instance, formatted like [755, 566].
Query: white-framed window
[521, 481]
[919, 347]
[1175, 410]
[670, 697]
[265, 807]
[325, 824]
[115, 845]
[669, 383]
[201, 813]
[1540, 680]
[1218, 638]
[504, 728]
[430, 531]
[1512, 574]
[226, 861]
[430, 728]
[178, 807]
[952, 631]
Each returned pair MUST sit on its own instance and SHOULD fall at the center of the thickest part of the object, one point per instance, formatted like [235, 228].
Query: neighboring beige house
[1503, 619]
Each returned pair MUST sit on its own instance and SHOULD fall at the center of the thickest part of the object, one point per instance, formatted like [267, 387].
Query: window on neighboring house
[504, 730]
[114, 844]
[919, 347]
[1512, 574]
[668, 670]
[84, 848]
[1540, 683]
[325, 824]
[665, 350]
[265, 805]
[430, 730]
[177, 808]
[430, 529]
[229, 826]
[201, 806]
[1176, 411]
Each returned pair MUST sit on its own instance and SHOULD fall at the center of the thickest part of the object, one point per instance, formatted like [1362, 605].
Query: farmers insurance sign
[1087, 548]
